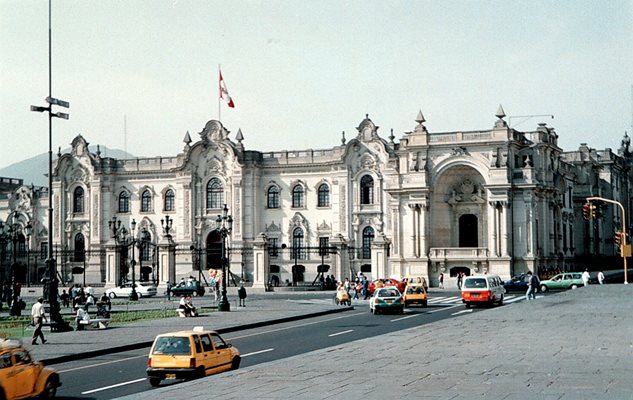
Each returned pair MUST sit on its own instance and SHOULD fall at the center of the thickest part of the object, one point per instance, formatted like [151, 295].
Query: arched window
[367, 190]
[124, 202]
[170, 199]
[146, 201]
[368, 238]
[78, 200]
[324, 196]
[298, 250]
[215, 194]
[297, 197]
[80, 246]
[273, 197]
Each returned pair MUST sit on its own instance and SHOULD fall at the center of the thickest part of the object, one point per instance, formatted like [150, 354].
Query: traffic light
[592, 211]
[618, 239]
[586, 210]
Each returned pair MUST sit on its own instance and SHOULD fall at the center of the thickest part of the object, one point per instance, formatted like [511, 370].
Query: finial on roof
[59, 151]
[420, 118]
[187, 138]
[500, 123]
[500, 113]
[366, 116]
[343, 137]
[98, 151]
[391, 137]
[239, 137]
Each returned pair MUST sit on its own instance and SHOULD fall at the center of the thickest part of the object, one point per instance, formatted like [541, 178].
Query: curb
[140, 345]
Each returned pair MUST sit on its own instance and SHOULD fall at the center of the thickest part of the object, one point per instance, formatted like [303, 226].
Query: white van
[482, 289]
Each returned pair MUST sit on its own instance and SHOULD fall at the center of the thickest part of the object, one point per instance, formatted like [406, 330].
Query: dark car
[518, 283]
[193, 288]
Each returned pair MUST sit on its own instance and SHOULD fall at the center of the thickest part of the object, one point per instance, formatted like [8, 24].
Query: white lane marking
[341, 333]
[443, 309]
[405, 317]
[113, 386]
[257, 352]
[296, 326]
[100, 364]
[513, 300]
[462, 312]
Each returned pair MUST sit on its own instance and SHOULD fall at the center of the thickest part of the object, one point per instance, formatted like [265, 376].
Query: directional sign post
[57, 102]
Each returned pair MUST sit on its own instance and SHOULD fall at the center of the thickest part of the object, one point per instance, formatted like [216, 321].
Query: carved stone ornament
[214, 131]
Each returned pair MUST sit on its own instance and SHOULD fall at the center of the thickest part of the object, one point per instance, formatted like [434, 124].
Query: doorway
[468, 232]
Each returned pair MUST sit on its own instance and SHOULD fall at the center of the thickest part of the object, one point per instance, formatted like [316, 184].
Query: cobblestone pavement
[571, 345]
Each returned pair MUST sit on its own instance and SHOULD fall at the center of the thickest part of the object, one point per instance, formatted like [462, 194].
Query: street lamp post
[133, 242]
[224, 224]
[14, 230]
[55, 315]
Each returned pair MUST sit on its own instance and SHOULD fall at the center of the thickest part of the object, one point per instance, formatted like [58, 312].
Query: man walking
[532, 286]
[586, 277]
[38, 316]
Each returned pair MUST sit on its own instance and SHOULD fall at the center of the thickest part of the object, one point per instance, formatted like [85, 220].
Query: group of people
[6, 293]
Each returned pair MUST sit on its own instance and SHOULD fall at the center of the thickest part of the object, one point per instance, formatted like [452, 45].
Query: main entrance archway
[214, 250]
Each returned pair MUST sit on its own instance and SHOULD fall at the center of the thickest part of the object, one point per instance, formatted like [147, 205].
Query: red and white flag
[224, 92]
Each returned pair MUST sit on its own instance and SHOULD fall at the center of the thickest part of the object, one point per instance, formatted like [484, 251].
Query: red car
[385, 282]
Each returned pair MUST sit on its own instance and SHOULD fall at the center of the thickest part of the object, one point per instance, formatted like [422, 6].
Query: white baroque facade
[491, 201]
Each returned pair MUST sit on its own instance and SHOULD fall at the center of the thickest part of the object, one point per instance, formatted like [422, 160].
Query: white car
[143, 290]
[386, 298]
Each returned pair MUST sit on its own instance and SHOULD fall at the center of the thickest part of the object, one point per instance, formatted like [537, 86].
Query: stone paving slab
[571, 345]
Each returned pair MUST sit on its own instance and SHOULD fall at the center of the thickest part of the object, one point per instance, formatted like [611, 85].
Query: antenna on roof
[125, 134]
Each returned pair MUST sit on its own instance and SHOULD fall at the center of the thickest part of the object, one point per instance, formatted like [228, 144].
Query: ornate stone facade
[493, 201]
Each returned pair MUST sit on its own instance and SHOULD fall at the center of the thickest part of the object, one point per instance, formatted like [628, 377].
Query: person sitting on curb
[187, 306]
[80, 315]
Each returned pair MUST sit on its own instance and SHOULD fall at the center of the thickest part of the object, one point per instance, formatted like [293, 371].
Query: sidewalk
[265, 310]
[576, 344]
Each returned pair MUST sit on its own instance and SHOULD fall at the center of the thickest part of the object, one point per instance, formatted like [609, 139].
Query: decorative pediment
[367, 131]
[273, 228]
[323, 227]
[79, 146]
[214, 131]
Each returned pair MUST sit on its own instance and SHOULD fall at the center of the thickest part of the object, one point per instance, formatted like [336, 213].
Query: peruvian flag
[224, 92]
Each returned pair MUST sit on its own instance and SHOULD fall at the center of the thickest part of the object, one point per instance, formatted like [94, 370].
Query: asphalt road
[122, 374]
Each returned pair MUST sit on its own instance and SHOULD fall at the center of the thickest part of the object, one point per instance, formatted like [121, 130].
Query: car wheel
[200, 373]
[112, 295]
[574, 286]
[505, 290]
[467, 305]
[501, 301]
[424, 303]
[50, 389]
[2, 395]
[543, 288]
[235, 364]
[154, 382]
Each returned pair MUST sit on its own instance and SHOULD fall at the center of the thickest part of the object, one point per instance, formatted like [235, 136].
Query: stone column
[167, 260]
[261, 265]
[113, 272]
[492, 228]
[505, 227]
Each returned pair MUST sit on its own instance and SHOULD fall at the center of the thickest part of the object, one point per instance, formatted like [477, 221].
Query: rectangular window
[273, 249]
[324, 244]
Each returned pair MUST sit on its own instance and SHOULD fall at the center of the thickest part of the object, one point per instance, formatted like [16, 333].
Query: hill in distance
[34, 170]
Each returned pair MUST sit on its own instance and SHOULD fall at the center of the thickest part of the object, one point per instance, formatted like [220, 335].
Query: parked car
[482, 289]
[567, 280]
[518, 283]
[189, 355]
[386, 299]
[193, 288]
[21, 377]
[382, 282]
[143, 290]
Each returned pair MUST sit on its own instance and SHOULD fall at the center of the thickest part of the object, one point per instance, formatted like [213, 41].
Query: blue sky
[300, 72]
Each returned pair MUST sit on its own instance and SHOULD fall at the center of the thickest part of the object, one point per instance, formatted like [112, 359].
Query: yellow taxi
[21, 377]
[189, 355]
[416, 291]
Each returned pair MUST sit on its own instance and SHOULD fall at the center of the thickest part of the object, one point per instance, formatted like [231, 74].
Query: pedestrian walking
[38, 317]
[585, 277]
[441, 281]
[601, 277]
[532, 282]
[460, 276]
[365, 291]
[241, 294]
[168, 290]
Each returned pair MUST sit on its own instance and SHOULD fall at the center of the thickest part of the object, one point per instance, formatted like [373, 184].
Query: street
[123, 374]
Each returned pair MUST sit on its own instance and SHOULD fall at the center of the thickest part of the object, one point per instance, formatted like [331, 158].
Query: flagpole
[219, 112]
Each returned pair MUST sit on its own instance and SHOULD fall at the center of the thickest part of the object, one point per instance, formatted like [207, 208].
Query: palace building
[497, 201]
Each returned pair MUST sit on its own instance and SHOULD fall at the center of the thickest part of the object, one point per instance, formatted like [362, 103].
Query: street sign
[39, 109]
[61, 115]
[57, 102]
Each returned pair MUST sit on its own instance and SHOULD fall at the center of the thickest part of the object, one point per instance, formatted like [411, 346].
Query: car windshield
[475, 283]
[388, 293]
[172, 345]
